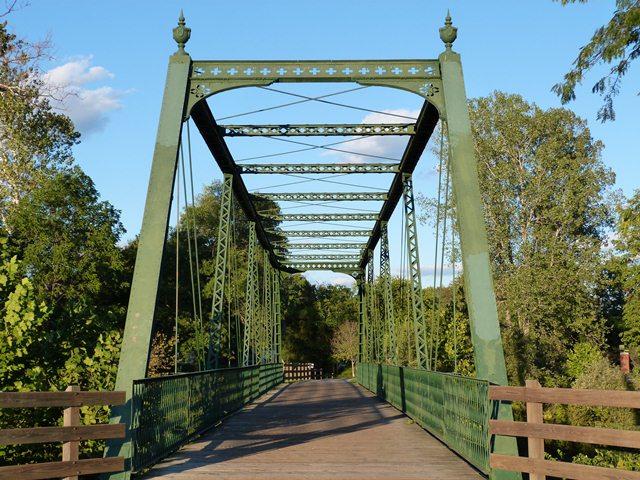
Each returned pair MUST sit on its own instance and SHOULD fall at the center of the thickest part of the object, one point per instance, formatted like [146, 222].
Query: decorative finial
[448, 33]
[181, 34]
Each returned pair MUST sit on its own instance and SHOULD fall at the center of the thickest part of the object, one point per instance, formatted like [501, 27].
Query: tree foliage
[617, 43]
[345, 343]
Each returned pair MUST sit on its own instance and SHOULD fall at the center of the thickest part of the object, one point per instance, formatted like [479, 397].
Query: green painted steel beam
[391, 352]
[338, 266]
[136, 344]
[325, 246]
[315, 70]
[220, 273]
[251, 300]
[324, 233]
[307, 130]
[323, 217]
[423, 355]
[478, 279]
[324, 197]
[320, 168]
[321, 258]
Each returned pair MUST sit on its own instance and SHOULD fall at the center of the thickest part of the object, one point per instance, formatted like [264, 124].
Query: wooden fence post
[70, 450]
[536, 445]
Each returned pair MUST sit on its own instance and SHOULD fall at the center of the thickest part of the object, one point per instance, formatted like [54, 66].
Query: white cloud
[87, 107]
[390, 147]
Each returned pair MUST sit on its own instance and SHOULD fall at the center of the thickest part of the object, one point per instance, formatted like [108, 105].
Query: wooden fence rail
[536, 431]
[71, 433]
[296, 372]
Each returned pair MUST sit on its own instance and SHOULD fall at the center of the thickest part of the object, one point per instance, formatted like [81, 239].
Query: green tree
[345, 343]
[628, 243]
[547, 209]
[34, 140]
[617, 43]
[68, 238]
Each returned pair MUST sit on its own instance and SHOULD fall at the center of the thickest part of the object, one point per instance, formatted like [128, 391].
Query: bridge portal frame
[439, 81]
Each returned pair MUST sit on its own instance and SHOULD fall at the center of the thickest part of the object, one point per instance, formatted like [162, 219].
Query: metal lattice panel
[317, 130]
[323, 217]
[325, 233]
[325, 246]
[341, 168]
[323, 257]
[325, 197]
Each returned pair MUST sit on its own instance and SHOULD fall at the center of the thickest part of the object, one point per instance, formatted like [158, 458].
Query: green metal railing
[453, 408]
[169, 411]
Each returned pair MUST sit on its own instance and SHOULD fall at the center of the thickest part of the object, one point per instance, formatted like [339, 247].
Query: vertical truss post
[420, 328]
[391, 354]
[478, 281]
[268, 311]
[251, 301]
[136, 343]
[277, 310]
[362, 320]
[219, 276]
[372, 316]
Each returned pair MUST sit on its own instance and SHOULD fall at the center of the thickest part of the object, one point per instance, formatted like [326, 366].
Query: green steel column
[362, 320]
[277, 317]
[478, 281]
[411, 225]
[391, 354]
[371, 340]
[220, 274]
[267, 317]
[251, 301]
[136, 342]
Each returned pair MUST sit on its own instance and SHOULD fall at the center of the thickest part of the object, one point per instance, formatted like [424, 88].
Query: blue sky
[114, 56]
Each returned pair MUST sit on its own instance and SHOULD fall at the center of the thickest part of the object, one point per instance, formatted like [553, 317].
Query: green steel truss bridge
[348, 242]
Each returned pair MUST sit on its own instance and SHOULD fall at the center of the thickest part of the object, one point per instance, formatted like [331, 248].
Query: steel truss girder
[321, 168]
[267, 316]
[420, 328]
[324, 233]
[277, 315]
[372, 333]
[222, 249]
[387, 294]
[321, 258]
[324, 197]
[325, 246]
[323, 217]
[251, 302]
[337, 266]
[326, 130]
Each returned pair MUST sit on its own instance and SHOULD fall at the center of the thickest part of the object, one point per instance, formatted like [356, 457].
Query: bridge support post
[248, 340]
[362, 320]
[277, 317]
[423, 356]
[136, 343]
[391, 352]
[478, 281]
[222, 250]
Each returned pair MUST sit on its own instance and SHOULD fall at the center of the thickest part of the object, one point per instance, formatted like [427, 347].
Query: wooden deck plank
[329, 429]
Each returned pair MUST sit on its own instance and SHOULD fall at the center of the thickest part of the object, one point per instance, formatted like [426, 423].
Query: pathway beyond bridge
[329, 429]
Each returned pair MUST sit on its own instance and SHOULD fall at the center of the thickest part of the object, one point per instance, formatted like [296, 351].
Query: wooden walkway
[323, 429]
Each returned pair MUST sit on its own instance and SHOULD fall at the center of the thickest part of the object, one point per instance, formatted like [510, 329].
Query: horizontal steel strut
[322, 217]
[322, 196]
[323, 257]
[306, 130]
[323, 246]
[285, 168]
[324, 233]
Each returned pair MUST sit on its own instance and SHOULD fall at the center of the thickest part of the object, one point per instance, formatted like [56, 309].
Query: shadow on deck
[329, 429]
